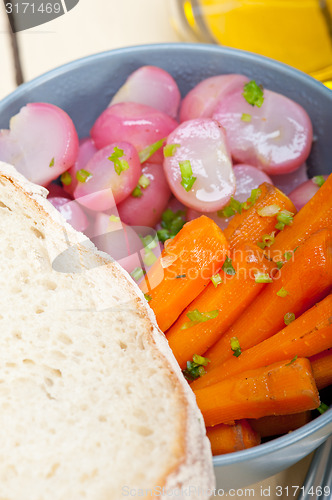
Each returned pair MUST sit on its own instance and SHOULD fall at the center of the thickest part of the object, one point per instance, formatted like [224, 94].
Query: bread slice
[92, 403]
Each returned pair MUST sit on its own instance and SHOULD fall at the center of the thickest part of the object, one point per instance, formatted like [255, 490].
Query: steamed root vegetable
[86, 151]
[109, 177]
[275, 137]
[277, 389]
[186, 265]
[304, 192]
[149, 199]
[10, 151]
[306, 277]
[199, 167]
[229, 438]
[153, 87]
[71, 211]
[322, 368]
[247, 178]
[230, 295]
[47, 139]
[307, 335]
[138, 124]
[56, 191]
[288, 182]
[201, 101]
[276, 425]
[315, 215]
[249, 225]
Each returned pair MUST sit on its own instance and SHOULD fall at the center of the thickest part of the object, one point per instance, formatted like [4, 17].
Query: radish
[288, 182]
[109, 177]
[275, 137]
[138, 124]
[201, 101]
[86, 151]
[145, 206]
[303, 193]
[199, 167]
[151, 86]
[47, 139]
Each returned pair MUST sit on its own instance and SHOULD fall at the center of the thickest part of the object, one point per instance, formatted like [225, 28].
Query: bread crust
[193, 468]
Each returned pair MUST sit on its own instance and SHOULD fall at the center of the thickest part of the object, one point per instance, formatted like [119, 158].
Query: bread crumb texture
[85, 395]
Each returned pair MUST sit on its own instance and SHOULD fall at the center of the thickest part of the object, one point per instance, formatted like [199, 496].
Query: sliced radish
[247, 178]
[104, 182]
[86, 151]
[201, 101]
[151, 86]
[275, 137]
[202, 142]
[303, 193]
[10, 151]
[146, 208]
[138, 124]
[48, 141]
[288, 182]
[71, 211]
[56, 191]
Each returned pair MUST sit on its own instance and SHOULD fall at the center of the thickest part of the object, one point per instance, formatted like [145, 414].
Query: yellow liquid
[297, 32]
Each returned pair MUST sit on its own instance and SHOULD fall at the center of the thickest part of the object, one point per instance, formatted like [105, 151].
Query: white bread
[92, 402]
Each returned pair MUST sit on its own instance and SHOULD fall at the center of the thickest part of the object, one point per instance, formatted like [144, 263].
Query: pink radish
[146, 208]
[201, 101]
[138, 124]
[202, 150]
[151, 86]
[303, 193]
[48, 141]
[85, 152]
[10, 151]
[109, 177]
[247, 178]
[288, 182]
[275, 137]
[56, 191]
[71, 211]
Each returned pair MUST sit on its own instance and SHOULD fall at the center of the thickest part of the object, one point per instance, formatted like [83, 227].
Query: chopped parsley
[322, 408]
[171, 223]
[65, 178]
[255, 194]
[235, 346]
[187, 177]
[197, 317]
[292, 361]
[52, 163]
[195, 368]
[319, 180]
[147, 152]
[267, 240]
[284, 218]
[83, 175]
[228, 267]
[169, 149]
[246, 117]
[253, 93]
[119, 165]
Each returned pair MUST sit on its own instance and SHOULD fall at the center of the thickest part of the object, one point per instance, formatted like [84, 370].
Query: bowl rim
[279, 443]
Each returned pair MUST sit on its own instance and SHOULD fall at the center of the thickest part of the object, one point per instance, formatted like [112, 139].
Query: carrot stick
[309, 334]
[229, 438]
[315, 215]
[185, 267]
[307, 278]
[230, 298]
[249, 225]
[278, 389]
[322, 368]
[276, 425]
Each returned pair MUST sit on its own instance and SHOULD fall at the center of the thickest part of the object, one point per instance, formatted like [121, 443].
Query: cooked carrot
[276, 425]
[315, 215]
[249, 225]
[322, 368]
[309, 334]
[306, 279]
[185, 267]
[228, 438]
[230, 298]
[278, 389]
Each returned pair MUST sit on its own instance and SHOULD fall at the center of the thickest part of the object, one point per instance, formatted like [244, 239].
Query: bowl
[84, 88]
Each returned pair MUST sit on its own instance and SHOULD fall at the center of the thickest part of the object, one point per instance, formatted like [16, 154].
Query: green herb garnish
[268, 211]
[197, 317]
[186, 175]
[137, 193]
[119, 165]
[137, 273]
[149, 257]
[228, 267]
[179, 276]
[195, 368]
[255, 194]
[319, 180]
[171, 223]
[65, 178]
[282, 292]
[279, 264]
[169, 149]
[322, 408]
[83, 175]
[253, 93]
[246, 117]
[288, 318]
[114, 218]
[147, 297]
[52, 163]
[150, 150]
[262, 278]
[292, 361]
[216, 280]
[231, 209]
[284, 218]
[235, 346]
[267, 240]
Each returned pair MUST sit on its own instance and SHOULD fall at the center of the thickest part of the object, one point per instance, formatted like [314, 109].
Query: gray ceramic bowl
[84, 88]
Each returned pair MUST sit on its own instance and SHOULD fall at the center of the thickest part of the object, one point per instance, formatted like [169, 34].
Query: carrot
[230, 298]
[315, 215]
[322, 368]
[249, 225]
[276, 425]
[306, 278]
[185, 267]
[278, 389]
[228, 438]
[309, 334]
